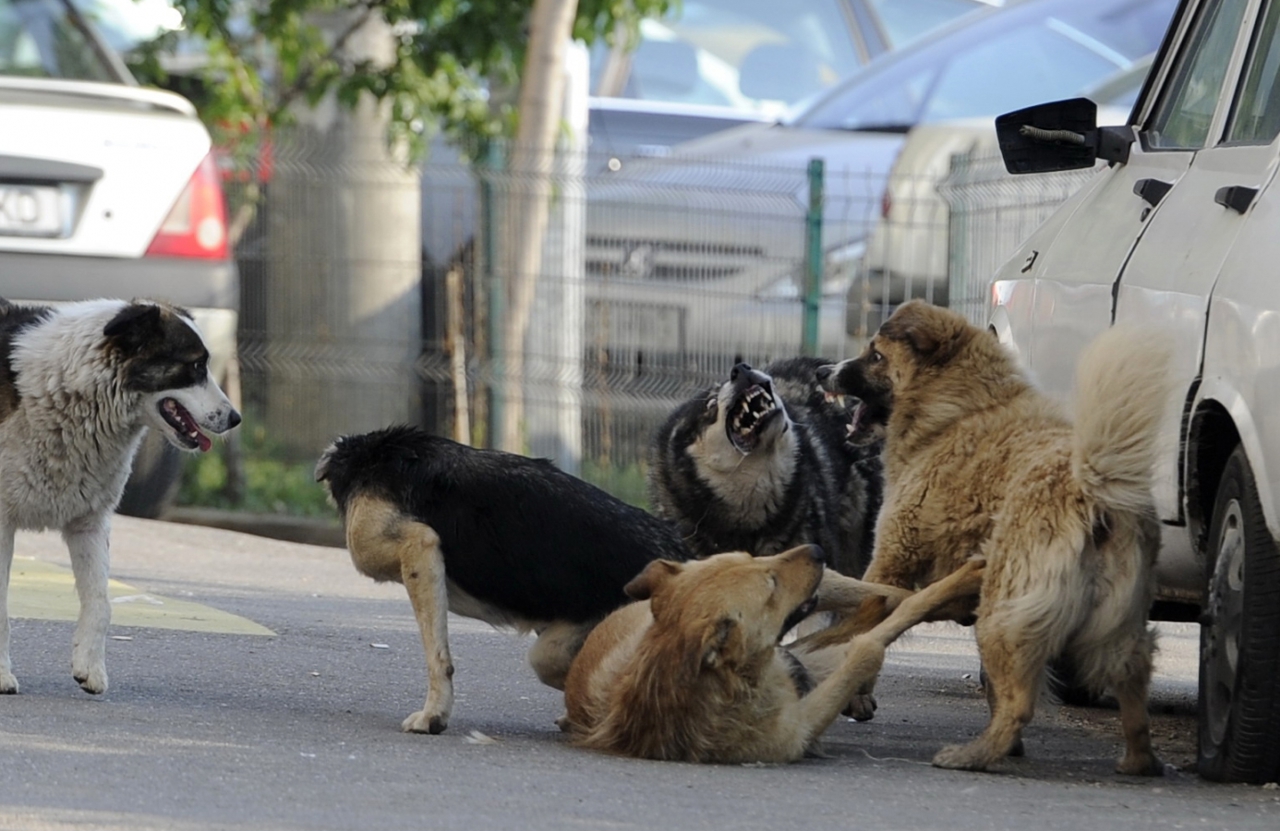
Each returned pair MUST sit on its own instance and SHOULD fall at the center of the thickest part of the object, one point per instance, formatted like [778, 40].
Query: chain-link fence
[374, 293]
[990, 213]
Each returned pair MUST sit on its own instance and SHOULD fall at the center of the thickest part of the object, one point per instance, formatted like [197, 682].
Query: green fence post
[497, 289]
[812, 260]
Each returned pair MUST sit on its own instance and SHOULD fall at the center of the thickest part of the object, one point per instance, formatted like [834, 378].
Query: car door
[1171, 272]
[1074, 292]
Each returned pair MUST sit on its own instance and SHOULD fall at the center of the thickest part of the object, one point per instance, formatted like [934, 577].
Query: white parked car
[107, 190]
[1183, 229]
[907, 252]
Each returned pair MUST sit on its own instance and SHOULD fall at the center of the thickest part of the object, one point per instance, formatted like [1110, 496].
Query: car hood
[748, 183]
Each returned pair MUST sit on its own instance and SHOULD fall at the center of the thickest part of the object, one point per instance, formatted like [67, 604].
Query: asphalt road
[272, 699]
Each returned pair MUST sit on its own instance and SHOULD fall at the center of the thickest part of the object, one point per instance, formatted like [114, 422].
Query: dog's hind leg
[1014, 666]
[866, 652]
[88, 542]
[1124, 667]
[555, 648]
[8, 682]
[1131, 694]
[422, 571]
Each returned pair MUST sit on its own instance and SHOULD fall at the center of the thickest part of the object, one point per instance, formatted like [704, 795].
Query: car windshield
[760, 55]
[1035, 51]
[44, 39]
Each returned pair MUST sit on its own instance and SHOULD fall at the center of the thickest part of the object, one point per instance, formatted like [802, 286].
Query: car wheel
[157, 472]
[1239, 706]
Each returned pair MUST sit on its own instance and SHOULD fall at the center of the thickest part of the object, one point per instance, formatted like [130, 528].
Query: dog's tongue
[205, 442]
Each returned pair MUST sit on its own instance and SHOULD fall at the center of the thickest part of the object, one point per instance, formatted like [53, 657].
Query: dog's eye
[773, 582]
[200, 366]
[876, 357]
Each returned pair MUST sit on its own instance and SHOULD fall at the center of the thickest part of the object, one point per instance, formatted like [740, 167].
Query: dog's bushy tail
[1123, 383]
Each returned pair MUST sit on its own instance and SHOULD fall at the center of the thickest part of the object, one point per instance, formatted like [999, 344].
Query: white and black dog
[502, 538]
[761, 463]
[79, 384]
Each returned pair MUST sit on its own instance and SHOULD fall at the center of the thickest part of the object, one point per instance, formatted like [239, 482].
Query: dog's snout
[233, 420]
[738, 370]
[824, 372]
[817, 553]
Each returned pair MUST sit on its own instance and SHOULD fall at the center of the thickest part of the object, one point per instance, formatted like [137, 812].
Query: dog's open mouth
[748, 416]
[798, 614]
[184, 426]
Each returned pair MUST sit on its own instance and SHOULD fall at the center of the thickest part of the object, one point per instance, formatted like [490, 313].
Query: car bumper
[210, 290]
[49, 277]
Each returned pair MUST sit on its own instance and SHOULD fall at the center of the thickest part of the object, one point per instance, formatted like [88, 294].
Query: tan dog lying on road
[979, 462]
[695, 673]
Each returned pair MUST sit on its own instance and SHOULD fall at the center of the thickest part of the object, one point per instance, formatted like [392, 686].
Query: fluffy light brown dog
[694, 672]
[979, 462]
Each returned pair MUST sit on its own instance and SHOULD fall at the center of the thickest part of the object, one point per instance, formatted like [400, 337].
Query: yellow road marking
[43, 591]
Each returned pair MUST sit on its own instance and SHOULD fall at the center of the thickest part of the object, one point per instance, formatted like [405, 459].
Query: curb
[307, 530]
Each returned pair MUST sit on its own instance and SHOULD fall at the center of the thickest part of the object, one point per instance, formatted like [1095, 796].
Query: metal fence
[374, 293]
[991, 212]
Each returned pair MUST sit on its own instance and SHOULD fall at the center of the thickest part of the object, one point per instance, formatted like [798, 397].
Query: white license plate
[30, 210]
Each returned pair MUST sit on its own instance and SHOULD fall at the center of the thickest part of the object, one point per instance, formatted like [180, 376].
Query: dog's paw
[8, 683]
[960, 757]
[92, 681]
[862, 707]
[422, 722]
[1140, 765]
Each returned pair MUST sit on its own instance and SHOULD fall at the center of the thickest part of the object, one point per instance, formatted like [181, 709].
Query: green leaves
[449, 63]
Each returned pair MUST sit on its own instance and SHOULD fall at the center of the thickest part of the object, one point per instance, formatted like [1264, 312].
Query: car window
[1185, 113]
[1067, 49]
[1050, 64]
[39, 39]
[738, 53]
[907, 20]
[1256, 118]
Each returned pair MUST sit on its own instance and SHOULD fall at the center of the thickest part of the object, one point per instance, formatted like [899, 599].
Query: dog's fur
[503, 538]
[760, 464]
[694, 672]
[78, 386]
[978, 461]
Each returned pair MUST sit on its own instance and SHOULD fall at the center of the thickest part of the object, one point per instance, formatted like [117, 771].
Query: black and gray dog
[506, 539]
[761, 463]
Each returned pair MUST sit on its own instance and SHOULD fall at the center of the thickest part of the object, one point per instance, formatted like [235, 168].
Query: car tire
[153, 484]
[1239, 703]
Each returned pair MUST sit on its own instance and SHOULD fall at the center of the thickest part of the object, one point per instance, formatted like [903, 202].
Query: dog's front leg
[422, 571]
[88, 542]
[8, 682]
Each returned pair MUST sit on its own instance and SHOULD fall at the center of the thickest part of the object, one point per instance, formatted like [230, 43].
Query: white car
[107, 190]
[1182, 228]
[908, 251]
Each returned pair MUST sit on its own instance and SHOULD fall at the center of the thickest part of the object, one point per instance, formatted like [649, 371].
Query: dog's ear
[133, 321]
[643, 585]
[722, 646]
[935, 335]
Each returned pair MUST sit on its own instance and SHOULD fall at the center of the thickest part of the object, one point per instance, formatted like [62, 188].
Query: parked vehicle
[108, 190]
[1179, 230]
[907, 252]
[716, 64]
[722, 215]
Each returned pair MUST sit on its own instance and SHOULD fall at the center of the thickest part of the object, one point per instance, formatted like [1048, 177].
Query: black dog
[761, 463]
[507, 539]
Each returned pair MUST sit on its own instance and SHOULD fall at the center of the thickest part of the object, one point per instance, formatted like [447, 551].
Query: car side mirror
[1061, 135]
